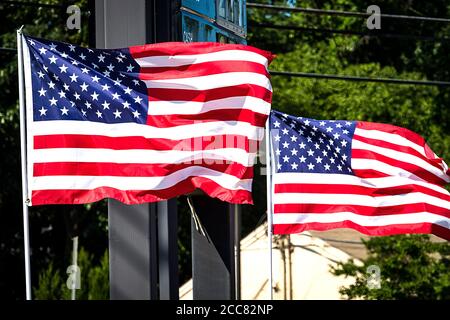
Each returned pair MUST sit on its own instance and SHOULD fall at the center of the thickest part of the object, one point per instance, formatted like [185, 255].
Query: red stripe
[131, 169]
[369, 173]
[384, 144]
[243, 115]
[181, 48]
[405, 133]
[414, 169]
[389, 128]
[250, 90]
[358, 190]
[201, 69]
[358, 209]
[128, 143]
[417, 228]
[42, 197]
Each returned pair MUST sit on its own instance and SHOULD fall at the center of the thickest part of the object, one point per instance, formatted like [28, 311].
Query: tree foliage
[411, 267]
[51, 227]
[94, 280]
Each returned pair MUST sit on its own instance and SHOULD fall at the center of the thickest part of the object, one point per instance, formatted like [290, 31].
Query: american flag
[144, 123]
[376, 178]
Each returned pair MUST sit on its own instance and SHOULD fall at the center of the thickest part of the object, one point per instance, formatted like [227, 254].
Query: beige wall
[301, 268]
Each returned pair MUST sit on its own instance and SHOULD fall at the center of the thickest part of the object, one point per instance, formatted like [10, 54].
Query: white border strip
[346, 179]
[367, 221]
[183, 60]
[195, 130]
[225, 180]
[158, 108]
[361, 200]
[213, 81]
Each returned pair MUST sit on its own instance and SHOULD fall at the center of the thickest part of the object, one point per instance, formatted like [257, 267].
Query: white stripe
[361, 200]
[370, 164]
[345, 179]
[401, 156]
[368, 221]
[389, 137]
[139, 183]
[211, 81]
[216, 156]
[194, 107]
[182, 60]
[202, 129]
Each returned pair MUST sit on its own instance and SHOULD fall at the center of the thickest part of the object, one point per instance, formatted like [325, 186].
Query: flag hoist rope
[23, 155]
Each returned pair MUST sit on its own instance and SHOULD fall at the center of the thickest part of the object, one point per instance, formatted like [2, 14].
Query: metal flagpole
[26, 236]
[269, 204]
[75, 269]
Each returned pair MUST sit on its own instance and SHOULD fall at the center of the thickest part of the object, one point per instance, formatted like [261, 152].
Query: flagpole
[26, 236]
[75, 284]
[269, 204]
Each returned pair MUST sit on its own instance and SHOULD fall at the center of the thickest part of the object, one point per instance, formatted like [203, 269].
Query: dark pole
[132, 229]
[134, 241]
[165, 24]
[216, 259]
[132, 251]
[213, 259]
[168, 250]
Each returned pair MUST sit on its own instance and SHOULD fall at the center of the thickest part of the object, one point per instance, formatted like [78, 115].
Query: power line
[343, 13]
[8, 49]
[349, 32]
[360, 79]
[334, 239]
[30, 4]
[334, 77]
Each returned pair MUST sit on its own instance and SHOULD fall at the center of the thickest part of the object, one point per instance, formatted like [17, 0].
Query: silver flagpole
[75, 284]
[269, 204]
[26, 236]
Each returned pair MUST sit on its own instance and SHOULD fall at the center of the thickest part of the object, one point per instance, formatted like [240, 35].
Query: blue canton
[308, 145]
[75, 83]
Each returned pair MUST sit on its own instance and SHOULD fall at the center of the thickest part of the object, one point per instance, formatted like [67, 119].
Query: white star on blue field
[308, 145]
[75, 83]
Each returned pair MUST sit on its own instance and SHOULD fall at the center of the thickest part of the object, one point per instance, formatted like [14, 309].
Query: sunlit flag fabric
[376, 178]
[143, 123]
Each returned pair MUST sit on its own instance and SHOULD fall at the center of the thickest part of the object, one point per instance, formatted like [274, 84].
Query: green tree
[411, 267]
[51, 227]
[94, 280]
[98, 280]
[49, 284]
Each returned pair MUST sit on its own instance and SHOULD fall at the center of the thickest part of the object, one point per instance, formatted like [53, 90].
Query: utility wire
[349, 32]
[360, 79]
[8, 49]
[334, 239]
[343, 13]
[337, 77]
[39, 5]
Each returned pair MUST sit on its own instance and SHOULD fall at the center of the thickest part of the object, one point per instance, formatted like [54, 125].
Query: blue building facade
[222, 21]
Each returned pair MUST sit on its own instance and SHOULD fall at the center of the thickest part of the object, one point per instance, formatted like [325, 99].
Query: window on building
[231, 11]
[190, 30]
[221, 9]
